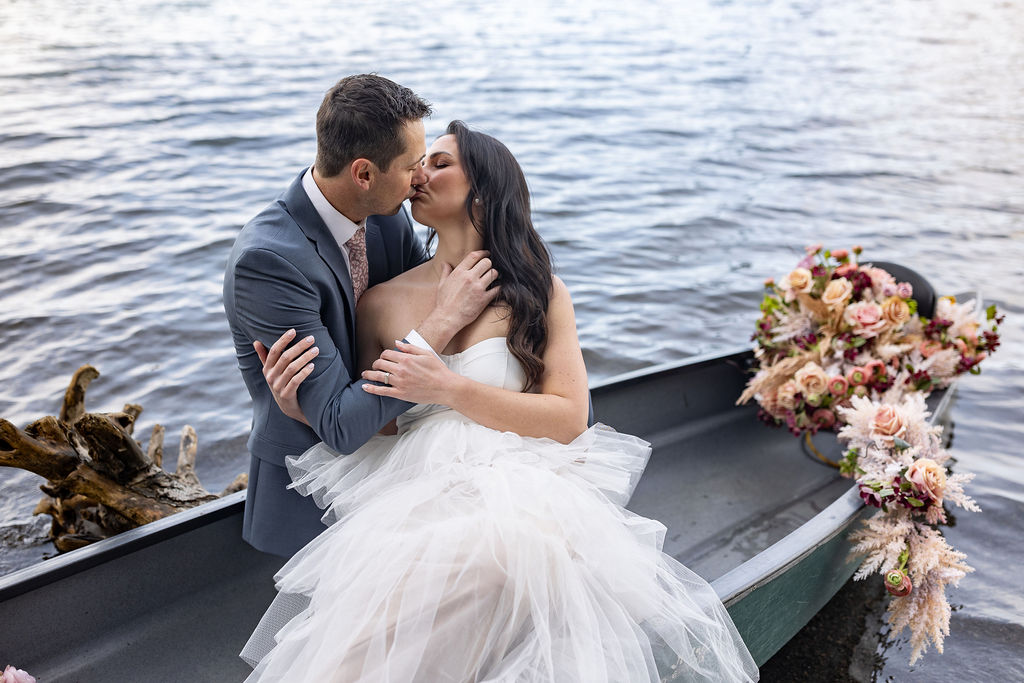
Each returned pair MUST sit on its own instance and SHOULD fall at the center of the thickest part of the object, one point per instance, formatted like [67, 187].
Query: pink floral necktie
[358, 266]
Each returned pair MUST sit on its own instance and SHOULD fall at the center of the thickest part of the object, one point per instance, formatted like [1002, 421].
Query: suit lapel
[305, 214]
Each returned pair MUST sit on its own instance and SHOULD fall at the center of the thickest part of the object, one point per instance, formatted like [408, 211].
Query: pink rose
[888, 422]
[811, 379]
[12, 675]
[865, 317]
[960, 345]
[857, 376]
[879, 278]
[840, 254]
[838, 385]
[928, 477]
[824, 418]
[837, 292]
[904, 290]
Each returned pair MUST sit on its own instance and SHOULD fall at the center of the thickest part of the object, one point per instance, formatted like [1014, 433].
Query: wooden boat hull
[177, 598]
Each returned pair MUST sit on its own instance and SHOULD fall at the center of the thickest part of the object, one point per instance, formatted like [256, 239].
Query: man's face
[395, 186]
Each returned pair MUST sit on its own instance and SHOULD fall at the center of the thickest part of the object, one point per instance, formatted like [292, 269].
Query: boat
[745, 508]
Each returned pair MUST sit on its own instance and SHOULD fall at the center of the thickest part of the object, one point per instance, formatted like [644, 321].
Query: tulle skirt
[457, 553]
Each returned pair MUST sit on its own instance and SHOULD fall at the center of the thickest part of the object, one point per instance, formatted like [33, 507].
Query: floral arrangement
[15, 675]
[841, 346]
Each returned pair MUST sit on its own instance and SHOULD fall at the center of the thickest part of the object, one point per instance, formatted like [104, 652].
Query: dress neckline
[473, 346]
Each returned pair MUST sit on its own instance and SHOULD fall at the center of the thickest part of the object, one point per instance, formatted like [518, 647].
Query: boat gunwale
[731, 587]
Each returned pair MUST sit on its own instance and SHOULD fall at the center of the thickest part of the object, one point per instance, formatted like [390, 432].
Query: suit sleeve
[271, 297]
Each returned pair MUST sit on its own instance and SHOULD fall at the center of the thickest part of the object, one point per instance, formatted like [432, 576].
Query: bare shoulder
[560, 299]
[558, 288]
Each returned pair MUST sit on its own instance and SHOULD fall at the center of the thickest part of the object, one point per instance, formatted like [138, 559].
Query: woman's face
[442, 198]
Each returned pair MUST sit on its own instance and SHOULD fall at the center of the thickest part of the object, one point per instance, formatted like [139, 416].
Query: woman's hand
[284, 368]
[411, 374]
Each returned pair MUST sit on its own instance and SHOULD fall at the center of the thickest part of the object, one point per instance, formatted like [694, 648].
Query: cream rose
[811, 379]
[895, 311]
[888, 422]
[928, 477]
[865, 317]
[837, 293]
[799, 281]
[786, 396]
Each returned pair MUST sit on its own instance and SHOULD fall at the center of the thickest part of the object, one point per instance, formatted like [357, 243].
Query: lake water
[678, 152]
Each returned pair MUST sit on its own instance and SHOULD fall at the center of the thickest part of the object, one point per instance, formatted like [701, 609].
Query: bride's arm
[557, 410]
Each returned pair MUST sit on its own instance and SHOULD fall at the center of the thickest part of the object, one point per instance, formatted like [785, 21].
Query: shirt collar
[342, 229]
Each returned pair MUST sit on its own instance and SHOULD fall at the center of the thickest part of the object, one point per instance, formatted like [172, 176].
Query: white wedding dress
[458, 553]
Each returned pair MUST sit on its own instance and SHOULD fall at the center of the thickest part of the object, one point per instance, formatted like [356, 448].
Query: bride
[484, 538]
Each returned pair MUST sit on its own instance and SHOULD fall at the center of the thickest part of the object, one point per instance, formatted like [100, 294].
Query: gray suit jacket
[287, 271]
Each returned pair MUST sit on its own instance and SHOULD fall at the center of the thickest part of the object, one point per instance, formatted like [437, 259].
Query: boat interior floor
[727, 487]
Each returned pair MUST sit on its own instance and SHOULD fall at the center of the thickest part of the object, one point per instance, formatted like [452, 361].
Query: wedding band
[387, 378]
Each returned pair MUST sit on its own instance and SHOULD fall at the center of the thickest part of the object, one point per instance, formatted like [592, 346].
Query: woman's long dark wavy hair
[519, 255]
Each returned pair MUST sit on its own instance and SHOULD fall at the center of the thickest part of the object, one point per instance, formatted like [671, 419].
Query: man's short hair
[362, 117]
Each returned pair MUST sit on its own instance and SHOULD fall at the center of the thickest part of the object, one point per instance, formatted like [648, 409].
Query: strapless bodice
[488, 361]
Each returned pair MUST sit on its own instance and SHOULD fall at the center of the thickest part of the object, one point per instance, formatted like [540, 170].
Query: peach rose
[846, 269]
[811, 379]
[840, 254]
[786, 395]
[888, 422]
[895, 311]
[798, 281]
[928, 477]
[837, 293]
[865, 317]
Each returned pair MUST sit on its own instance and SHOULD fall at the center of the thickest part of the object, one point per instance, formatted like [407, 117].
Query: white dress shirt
[341, 228]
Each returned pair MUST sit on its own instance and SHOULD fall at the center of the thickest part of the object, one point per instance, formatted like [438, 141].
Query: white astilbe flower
[881, 539]
[955, 492]
[963, 316]
[792, 324]
[886, 352]
[925, 612]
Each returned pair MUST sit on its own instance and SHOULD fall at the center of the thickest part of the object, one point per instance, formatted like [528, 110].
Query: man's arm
[272, 297]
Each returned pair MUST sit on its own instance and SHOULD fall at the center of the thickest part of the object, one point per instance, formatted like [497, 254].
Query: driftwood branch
[100, 480]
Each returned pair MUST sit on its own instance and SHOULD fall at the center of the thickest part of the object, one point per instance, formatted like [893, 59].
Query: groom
[301, 265]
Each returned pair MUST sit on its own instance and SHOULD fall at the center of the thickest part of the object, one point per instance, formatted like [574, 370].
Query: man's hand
[285, 368]
[411, 374]
[462, 295]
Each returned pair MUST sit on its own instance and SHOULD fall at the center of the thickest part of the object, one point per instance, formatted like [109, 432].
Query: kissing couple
[432, 412]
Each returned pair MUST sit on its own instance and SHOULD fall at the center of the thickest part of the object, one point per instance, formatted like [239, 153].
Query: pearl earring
[476, 201]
